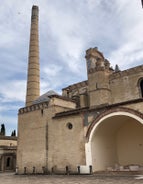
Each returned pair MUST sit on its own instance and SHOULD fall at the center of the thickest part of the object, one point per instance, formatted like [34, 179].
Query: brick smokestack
[33, 76]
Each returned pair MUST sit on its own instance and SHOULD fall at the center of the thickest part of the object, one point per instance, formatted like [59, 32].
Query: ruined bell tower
[98, 71]
[33, 76]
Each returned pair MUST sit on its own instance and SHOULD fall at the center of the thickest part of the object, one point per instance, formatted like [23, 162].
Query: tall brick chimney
[33, 76]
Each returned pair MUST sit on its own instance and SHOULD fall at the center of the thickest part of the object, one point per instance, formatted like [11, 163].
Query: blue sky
[67, 29]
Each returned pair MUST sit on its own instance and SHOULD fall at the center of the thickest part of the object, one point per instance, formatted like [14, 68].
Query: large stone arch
[115, 137]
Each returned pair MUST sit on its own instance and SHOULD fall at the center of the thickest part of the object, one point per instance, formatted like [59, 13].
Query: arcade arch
[116, 138]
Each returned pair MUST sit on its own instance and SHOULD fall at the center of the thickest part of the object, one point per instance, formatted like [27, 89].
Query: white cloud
[13, 91]
[92, 4]
[67, 28]
[51, 70]
[9, 107]
[127, 55]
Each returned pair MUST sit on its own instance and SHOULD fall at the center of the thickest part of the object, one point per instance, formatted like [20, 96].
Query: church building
[95, 124]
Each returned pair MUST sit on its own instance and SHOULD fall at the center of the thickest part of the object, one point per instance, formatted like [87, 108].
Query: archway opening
[117, 140]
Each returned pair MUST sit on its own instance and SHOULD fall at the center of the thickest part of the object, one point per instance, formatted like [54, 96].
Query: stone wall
[125, 86]
[38, 135]
[8, 141]
[31, 141]
[66, 143]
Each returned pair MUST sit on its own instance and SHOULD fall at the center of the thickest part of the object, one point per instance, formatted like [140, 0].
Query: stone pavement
[10, 178]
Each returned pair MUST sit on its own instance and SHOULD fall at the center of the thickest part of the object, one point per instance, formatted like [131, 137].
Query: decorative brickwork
[33, 108]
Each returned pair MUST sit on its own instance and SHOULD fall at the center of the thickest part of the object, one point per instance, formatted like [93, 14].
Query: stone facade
[95, 124]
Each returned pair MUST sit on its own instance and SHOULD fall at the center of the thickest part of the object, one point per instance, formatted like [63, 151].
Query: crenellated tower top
[95, 60]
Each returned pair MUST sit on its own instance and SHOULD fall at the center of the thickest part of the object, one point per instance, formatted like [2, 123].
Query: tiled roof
[45, 97]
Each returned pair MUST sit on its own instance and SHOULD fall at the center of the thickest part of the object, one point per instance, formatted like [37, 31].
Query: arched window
[8, 162]
[141, 87]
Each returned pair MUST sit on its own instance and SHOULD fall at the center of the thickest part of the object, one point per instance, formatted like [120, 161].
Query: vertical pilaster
[33, 76]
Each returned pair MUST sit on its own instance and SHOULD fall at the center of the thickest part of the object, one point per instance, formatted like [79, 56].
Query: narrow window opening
[42, 112]
[67, 93]
[8, 162]
[141, 87]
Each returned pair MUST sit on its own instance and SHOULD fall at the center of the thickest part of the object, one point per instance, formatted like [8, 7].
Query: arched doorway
[116, 138]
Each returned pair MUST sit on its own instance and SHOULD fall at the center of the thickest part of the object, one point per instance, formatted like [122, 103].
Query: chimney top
[34, 7]
[35, 11]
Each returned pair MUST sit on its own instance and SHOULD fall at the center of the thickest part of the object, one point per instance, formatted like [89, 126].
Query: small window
[141, 87]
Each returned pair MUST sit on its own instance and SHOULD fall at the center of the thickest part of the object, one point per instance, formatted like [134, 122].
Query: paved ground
[10, 178]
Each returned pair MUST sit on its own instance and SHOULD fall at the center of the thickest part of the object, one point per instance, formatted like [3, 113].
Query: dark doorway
[8, 162]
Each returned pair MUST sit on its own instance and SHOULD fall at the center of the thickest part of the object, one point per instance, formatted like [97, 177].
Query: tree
[117, 68]
[2, 132]
[13, 133]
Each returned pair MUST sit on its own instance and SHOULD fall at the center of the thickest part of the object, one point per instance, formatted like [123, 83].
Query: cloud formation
[67, 28]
